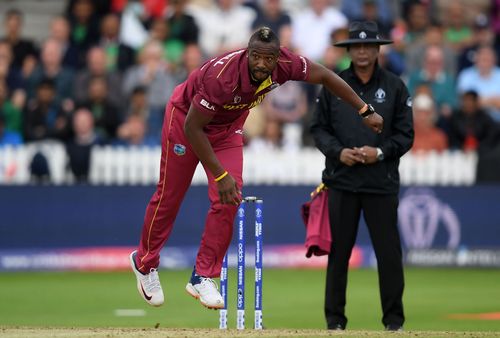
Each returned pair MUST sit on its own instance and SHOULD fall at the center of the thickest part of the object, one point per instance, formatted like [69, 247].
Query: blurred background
[83, 85]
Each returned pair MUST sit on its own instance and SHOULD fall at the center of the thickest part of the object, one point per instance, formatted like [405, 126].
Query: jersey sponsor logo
[256, 102]
[380, 96]
[179, 149]
[207, 105]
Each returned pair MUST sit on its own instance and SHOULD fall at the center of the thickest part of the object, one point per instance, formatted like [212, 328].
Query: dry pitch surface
[160, 332]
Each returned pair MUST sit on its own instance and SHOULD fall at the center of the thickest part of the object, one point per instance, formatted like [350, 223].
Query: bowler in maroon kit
[203, 123]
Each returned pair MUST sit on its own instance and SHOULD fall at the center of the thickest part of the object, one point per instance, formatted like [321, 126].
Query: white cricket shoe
[205, 289]
[148, 284]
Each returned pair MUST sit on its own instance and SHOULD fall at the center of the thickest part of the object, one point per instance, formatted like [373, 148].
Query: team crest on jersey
[380, 96]
[237, 99]
[179, 149]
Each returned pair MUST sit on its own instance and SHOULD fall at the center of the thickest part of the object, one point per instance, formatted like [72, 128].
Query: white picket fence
[140, 166]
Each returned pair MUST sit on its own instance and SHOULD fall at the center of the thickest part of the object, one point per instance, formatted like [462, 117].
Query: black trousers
[380, 212]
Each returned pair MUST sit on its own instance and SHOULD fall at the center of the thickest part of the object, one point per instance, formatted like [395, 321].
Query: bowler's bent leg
[220, 219]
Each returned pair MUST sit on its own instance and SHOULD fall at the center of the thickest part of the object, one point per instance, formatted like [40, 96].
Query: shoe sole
[139, 286]
[193, 293]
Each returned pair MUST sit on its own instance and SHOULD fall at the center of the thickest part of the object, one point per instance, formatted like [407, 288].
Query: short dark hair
[266, 35]
[13, 12]
[472, 94]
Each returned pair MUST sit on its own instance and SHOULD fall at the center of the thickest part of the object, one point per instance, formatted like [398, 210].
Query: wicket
[240, 314]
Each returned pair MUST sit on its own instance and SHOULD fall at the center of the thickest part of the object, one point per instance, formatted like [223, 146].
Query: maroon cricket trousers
[177, 167]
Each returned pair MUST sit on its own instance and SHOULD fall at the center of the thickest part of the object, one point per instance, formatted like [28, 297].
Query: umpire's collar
[375, 75]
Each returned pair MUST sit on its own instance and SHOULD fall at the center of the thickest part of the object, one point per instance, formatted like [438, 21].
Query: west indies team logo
[179, 149]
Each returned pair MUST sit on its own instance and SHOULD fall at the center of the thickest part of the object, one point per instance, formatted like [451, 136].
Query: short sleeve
[295, 67]
[207, 99]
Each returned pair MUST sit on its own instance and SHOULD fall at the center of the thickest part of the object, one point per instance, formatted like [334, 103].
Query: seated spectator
[7, 137]
[192, 59]
[337, 59]
[24, 51]
[458, 33]
[442, 84]
[386, 10]
[172, 49]
[50, 67]
[119, 57]
[60, 31]
[138, 103]
[427, 136]
[270, 139]
[272, 15]
[107, 117]
[79, 147]
[133, 132]
[153, 73]
[11, 75]
[44, 118]
[11, 115]
[84, 26]
[482, 35]
[182, 26]
[370, 12]
[224, 26]
[483, 78]
[96, 67]
[415, 52]
[312, 27]
[471, 128]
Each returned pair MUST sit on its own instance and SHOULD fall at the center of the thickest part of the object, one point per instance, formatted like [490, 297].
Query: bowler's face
[364, 54]
[262, 60]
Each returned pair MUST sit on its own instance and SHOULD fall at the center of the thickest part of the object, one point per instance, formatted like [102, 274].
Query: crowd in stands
[107, 68]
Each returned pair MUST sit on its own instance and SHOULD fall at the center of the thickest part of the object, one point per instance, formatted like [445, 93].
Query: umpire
[362, 173]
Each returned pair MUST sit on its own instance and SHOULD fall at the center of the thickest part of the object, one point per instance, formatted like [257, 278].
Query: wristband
[221, 176]
[363, 109]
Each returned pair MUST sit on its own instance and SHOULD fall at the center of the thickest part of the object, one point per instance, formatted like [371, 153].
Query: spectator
[133, 132]
[471, 128]
[271, 15]
[433, 36]
[79, 147]
[138, 103]
[386, 10]
[442, 84]
[427, 136]
[172, 49]
[51, 67]
[337, 59]
[84, 26]
[495, 20]
[7, 137]
[418, 21]
[223, 27]
[44, 118]
[483, 35]
[23, 50]
[119, 57]
[484, 78]
[152, 73]
[370, 12]
[12, 77]
[270, 139]
[458, 34]
[60, 31]
[318, 20]
[192, 58]
[11, 115]
[182, 26]
[107, 117]
[96, 67]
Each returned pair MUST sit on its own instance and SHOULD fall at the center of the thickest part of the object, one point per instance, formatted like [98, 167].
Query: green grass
[292, 299]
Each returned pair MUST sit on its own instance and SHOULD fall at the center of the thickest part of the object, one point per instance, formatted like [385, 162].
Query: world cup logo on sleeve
[421, 214]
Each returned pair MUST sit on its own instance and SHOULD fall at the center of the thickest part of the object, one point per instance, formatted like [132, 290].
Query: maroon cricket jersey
[222, 87]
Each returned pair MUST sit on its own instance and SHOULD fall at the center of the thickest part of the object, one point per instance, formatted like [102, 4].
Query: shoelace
[210, 280]
[152, 280]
